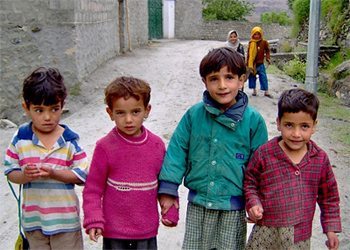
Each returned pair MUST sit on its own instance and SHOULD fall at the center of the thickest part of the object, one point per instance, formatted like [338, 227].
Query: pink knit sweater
[120, 194]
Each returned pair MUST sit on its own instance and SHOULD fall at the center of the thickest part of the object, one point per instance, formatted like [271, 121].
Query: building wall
[75, 36]
[138, 18]
[188, 19]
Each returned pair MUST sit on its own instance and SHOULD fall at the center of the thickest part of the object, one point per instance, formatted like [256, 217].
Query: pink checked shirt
[288, 192]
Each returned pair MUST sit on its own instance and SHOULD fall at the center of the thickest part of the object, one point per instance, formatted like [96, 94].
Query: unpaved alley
[171, 68]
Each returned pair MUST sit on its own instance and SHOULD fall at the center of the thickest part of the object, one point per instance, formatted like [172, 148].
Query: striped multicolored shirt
[48, 205]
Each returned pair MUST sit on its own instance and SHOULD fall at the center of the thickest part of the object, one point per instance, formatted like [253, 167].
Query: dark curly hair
[44, 86]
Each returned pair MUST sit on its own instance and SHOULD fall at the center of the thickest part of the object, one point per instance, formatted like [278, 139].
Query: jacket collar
[235, 112]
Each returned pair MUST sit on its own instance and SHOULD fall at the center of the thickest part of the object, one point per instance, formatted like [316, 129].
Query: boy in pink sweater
[120, 195]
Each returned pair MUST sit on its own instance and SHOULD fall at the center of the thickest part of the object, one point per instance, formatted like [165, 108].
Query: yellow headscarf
[253, 48]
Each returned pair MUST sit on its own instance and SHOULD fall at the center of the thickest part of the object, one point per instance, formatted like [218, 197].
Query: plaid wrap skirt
[214, 229]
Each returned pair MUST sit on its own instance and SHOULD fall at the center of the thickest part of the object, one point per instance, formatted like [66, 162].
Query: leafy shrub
[234, 10]
[296, 69]
[280, 18]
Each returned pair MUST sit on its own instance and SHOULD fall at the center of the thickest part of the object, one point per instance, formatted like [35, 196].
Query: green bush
[296, 69]
[280, 18]
[234, 10]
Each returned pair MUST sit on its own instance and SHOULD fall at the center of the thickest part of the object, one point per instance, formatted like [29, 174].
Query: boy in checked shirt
[287, 176]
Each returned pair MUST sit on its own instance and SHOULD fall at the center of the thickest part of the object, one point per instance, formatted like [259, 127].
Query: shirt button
[215, 140]
[297, 173]
[213, 163]
[211, 183]
[232, 125]
[210, 204]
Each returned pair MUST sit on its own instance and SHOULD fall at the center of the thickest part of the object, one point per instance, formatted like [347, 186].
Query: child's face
[45, 118]
[257, 36]
[296, 130]
[128, 115]
[223, 87]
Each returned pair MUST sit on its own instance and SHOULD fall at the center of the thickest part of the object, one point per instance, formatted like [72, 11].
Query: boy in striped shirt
[46, 158]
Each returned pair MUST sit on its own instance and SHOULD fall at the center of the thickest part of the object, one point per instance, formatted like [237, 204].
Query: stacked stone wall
[95, 29]
[189, 24]
[217, 30]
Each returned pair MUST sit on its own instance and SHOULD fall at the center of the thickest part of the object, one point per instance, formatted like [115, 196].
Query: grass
[332, 108]
[272, 69]
[75, 89]
[337, 59]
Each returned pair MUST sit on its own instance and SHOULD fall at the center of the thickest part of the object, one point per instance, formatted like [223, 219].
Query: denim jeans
[261, 72]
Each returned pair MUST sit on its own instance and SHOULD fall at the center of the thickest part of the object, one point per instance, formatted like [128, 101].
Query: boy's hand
[333, 242]
[255, 213]
[95, 233]
[47, 171]
[171, 217]
[166, 201]
[32, 171]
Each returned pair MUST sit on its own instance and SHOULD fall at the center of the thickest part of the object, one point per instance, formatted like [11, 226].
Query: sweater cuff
[170, 188]
[93, 225]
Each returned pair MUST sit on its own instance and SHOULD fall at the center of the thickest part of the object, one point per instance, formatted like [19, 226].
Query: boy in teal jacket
[210, 150]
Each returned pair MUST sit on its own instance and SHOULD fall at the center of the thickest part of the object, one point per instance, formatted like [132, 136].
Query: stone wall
[217, 30]
[76, 36]
[189, 24]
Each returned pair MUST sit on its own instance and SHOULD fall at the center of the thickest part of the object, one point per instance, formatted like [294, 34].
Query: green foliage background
[332, 12]
[234, 10]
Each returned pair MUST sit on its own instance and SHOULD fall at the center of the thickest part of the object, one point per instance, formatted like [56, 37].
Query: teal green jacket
[209, 150]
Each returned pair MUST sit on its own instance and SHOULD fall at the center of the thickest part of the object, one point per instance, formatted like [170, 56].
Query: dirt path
[171, 68]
